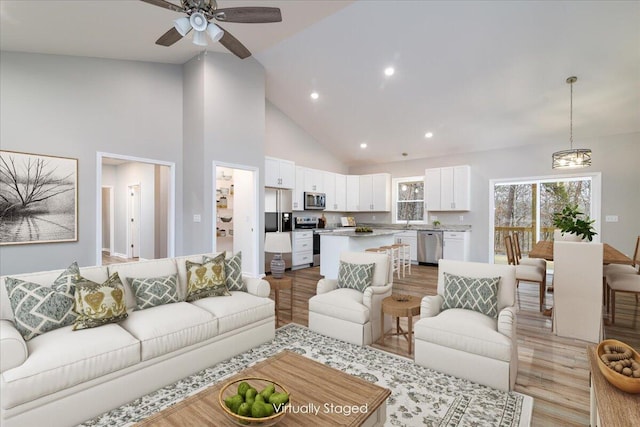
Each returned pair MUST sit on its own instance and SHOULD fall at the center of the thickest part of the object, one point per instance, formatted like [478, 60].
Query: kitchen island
[333, 243]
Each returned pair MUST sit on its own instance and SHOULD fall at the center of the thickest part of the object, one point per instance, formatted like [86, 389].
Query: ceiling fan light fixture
[182, 25]
[574, 157]
[199, 38]
[214, 32]
[198, 21]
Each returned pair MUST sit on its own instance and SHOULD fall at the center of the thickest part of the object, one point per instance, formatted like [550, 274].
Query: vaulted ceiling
[478, 75]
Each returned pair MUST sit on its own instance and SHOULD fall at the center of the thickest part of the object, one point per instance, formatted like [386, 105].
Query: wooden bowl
[231, 389]
[623, 382]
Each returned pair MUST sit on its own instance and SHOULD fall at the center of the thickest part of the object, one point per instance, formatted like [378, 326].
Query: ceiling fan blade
[234, 45]
[248, 15]
[169, 38]
[166, 5]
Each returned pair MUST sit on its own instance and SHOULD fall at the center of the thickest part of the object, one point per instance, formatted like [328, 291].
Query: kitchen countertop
[419, 227]
[352, 233]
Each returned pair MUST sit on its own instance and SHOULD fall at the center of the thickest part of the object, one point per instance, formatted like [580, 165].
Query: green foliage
[572, 220]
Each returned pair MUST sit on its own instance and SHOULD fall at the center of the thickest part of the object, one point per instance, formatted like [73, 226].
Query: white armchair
[467, 343]
[349, 314]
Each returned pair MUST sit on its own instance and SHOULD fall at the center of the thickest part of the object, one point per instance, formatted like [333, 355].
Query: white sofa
[466, 343]
[65, 377]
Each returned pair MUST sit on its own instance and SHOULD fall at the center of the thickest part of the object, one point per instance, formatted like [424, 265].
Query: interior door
[134, 222]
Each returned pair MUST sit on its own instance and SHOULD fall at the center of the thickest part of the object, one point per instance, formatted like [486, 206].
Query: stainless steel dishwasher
[429, 247]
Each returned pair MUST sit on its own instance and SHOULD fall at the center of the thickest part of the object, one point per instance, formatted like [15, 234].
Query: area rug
[419, 396]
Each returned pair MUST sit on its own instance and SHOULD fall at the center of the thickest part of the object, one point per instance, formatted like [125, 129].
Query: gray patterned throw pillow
[38, 309]
[154, 291]
[232, 271]
[471, 293]
[355, 276]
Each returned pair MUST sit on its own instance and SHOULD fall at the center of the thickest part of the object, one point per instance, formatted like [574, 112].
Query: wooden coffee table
[311, 385]
[398, 309]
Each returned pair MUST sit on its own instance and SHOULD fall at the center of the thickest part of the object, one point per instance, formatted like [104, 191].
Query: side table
[398, 309]
[278, 285]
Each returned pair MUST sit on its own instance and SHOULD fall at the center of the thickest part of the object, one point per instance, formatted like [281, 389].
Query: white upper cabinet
[313, 180]
[353, 193]
[335, 191]
[298, 190]
[375, 192]
[447, 189]
[279, 173]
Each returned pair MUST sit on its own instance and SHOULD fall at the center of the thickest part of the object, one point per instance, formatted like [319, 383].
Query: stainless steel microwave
[315, 201]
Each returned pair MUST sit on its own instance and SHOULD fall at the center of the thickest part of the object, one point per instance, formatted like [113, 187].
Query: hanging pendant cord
[571, 119]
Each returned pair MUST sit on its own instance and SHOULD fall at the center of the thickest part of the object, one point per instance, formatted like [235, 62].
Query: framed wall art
[38, 198]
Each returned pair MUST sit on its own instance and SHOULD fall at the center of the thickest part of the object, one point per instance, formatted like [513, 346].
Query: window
[409, 199]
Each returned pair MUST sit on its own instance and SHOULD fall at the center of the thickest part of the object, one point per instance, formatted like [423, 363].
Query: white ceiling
[479, 75]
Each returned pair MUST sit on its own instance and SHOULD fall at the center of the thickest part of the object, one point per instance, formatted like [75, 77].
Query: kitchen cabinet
[353, 193]
[410, 237]
[375, 192]
[448, 189]
[313, 180]
[279, 173]
[456, 246]
[302, 249]
[334, 188]
[298, 189]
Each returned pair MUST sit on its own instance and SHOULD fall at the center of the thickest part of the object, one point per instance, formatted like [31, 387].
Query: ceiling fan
[199, 16]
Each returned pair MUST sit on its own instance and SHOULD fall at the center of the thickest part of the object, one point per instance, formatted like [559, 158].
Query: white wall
[73, 107]
[616, 158]
[286, 140]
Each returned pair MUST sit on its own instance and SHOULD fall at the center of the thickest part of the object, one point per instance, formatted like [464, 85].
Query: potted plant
[571, 220]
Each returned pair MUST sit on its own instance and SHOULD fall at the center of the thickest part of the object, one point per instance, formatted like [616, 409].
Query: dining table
[544, 249]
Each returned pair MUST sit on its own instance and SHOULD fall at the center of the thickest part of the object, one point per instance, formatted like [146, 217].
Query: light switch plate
[611, 218]
[197, 218]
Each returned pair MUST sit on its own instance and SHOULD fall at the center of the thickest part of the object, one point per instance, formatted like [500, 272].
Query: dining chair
[527, 273]
[536, 262]
[621, 282]
[614, 269]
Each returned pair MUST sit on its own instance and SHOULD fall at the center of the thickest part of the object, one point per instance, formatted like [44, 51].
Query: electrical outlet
[373, 217]
[611, 218]
[434, 217]
[197, 218]
[461, 218]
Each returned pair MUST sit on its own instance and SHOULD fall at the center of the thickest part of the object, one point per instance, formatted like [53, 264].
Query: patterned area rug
[419, 396]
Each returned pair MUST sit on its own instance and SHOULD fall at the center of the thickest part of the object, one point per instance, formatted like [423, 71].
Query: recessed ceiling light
[315, 95]
[363, 145]
[389, 71]
[428, 134]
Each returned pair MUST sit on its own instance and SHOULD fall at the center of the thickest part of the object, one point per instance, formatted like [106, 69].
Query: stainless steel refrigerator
[278, 216]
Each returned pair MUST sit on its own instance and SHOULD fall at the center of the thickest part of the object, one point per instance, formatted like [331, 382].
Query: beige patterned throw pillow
[98, 304]
[206, 280]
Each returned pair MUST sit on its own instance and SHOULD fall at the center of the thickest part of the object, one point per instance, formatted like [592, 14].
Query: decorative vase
[566, 237]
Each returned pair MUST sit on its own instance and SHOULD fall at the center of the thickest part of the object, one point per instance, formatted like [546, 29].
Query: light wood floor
[553, 370]
[108, 259]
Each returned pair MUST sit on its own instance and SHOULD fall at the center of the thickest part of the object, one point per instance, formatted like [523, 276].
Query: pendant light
[574, 157]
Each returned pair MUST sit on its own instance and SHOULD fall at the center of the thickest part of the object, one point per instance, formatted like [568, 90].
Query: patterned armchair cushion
[38, 309]
[355, 276]
[471, 293]
[99, 303]
[154, 291]
[207, 279]
[232, 271]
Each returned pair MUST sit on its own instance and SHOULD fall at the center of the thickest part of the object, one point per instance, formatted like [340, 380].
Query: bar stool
[404, 257]
[393, 252]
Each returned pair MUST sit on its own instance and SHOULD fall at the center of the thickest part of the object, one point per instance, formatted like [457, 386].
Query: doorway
[142, 190]
[236, 207]
[526, 206]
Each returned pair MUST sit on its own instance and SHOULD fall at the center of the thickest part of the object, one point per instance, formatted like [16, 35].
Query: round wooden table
[279, 284]
[399, 309]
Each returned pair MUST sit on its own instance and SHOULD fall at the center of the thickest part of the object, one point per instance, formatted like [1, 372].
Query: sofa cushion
[38, 309]
[207, 279]
[98, 304]
[169, 327]
[355, 276]
[232, 271]
[345, 304]
[471, 293]
[150, 268]
[467, 331]
[239, 310]
[63, 358]
[154, 291]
